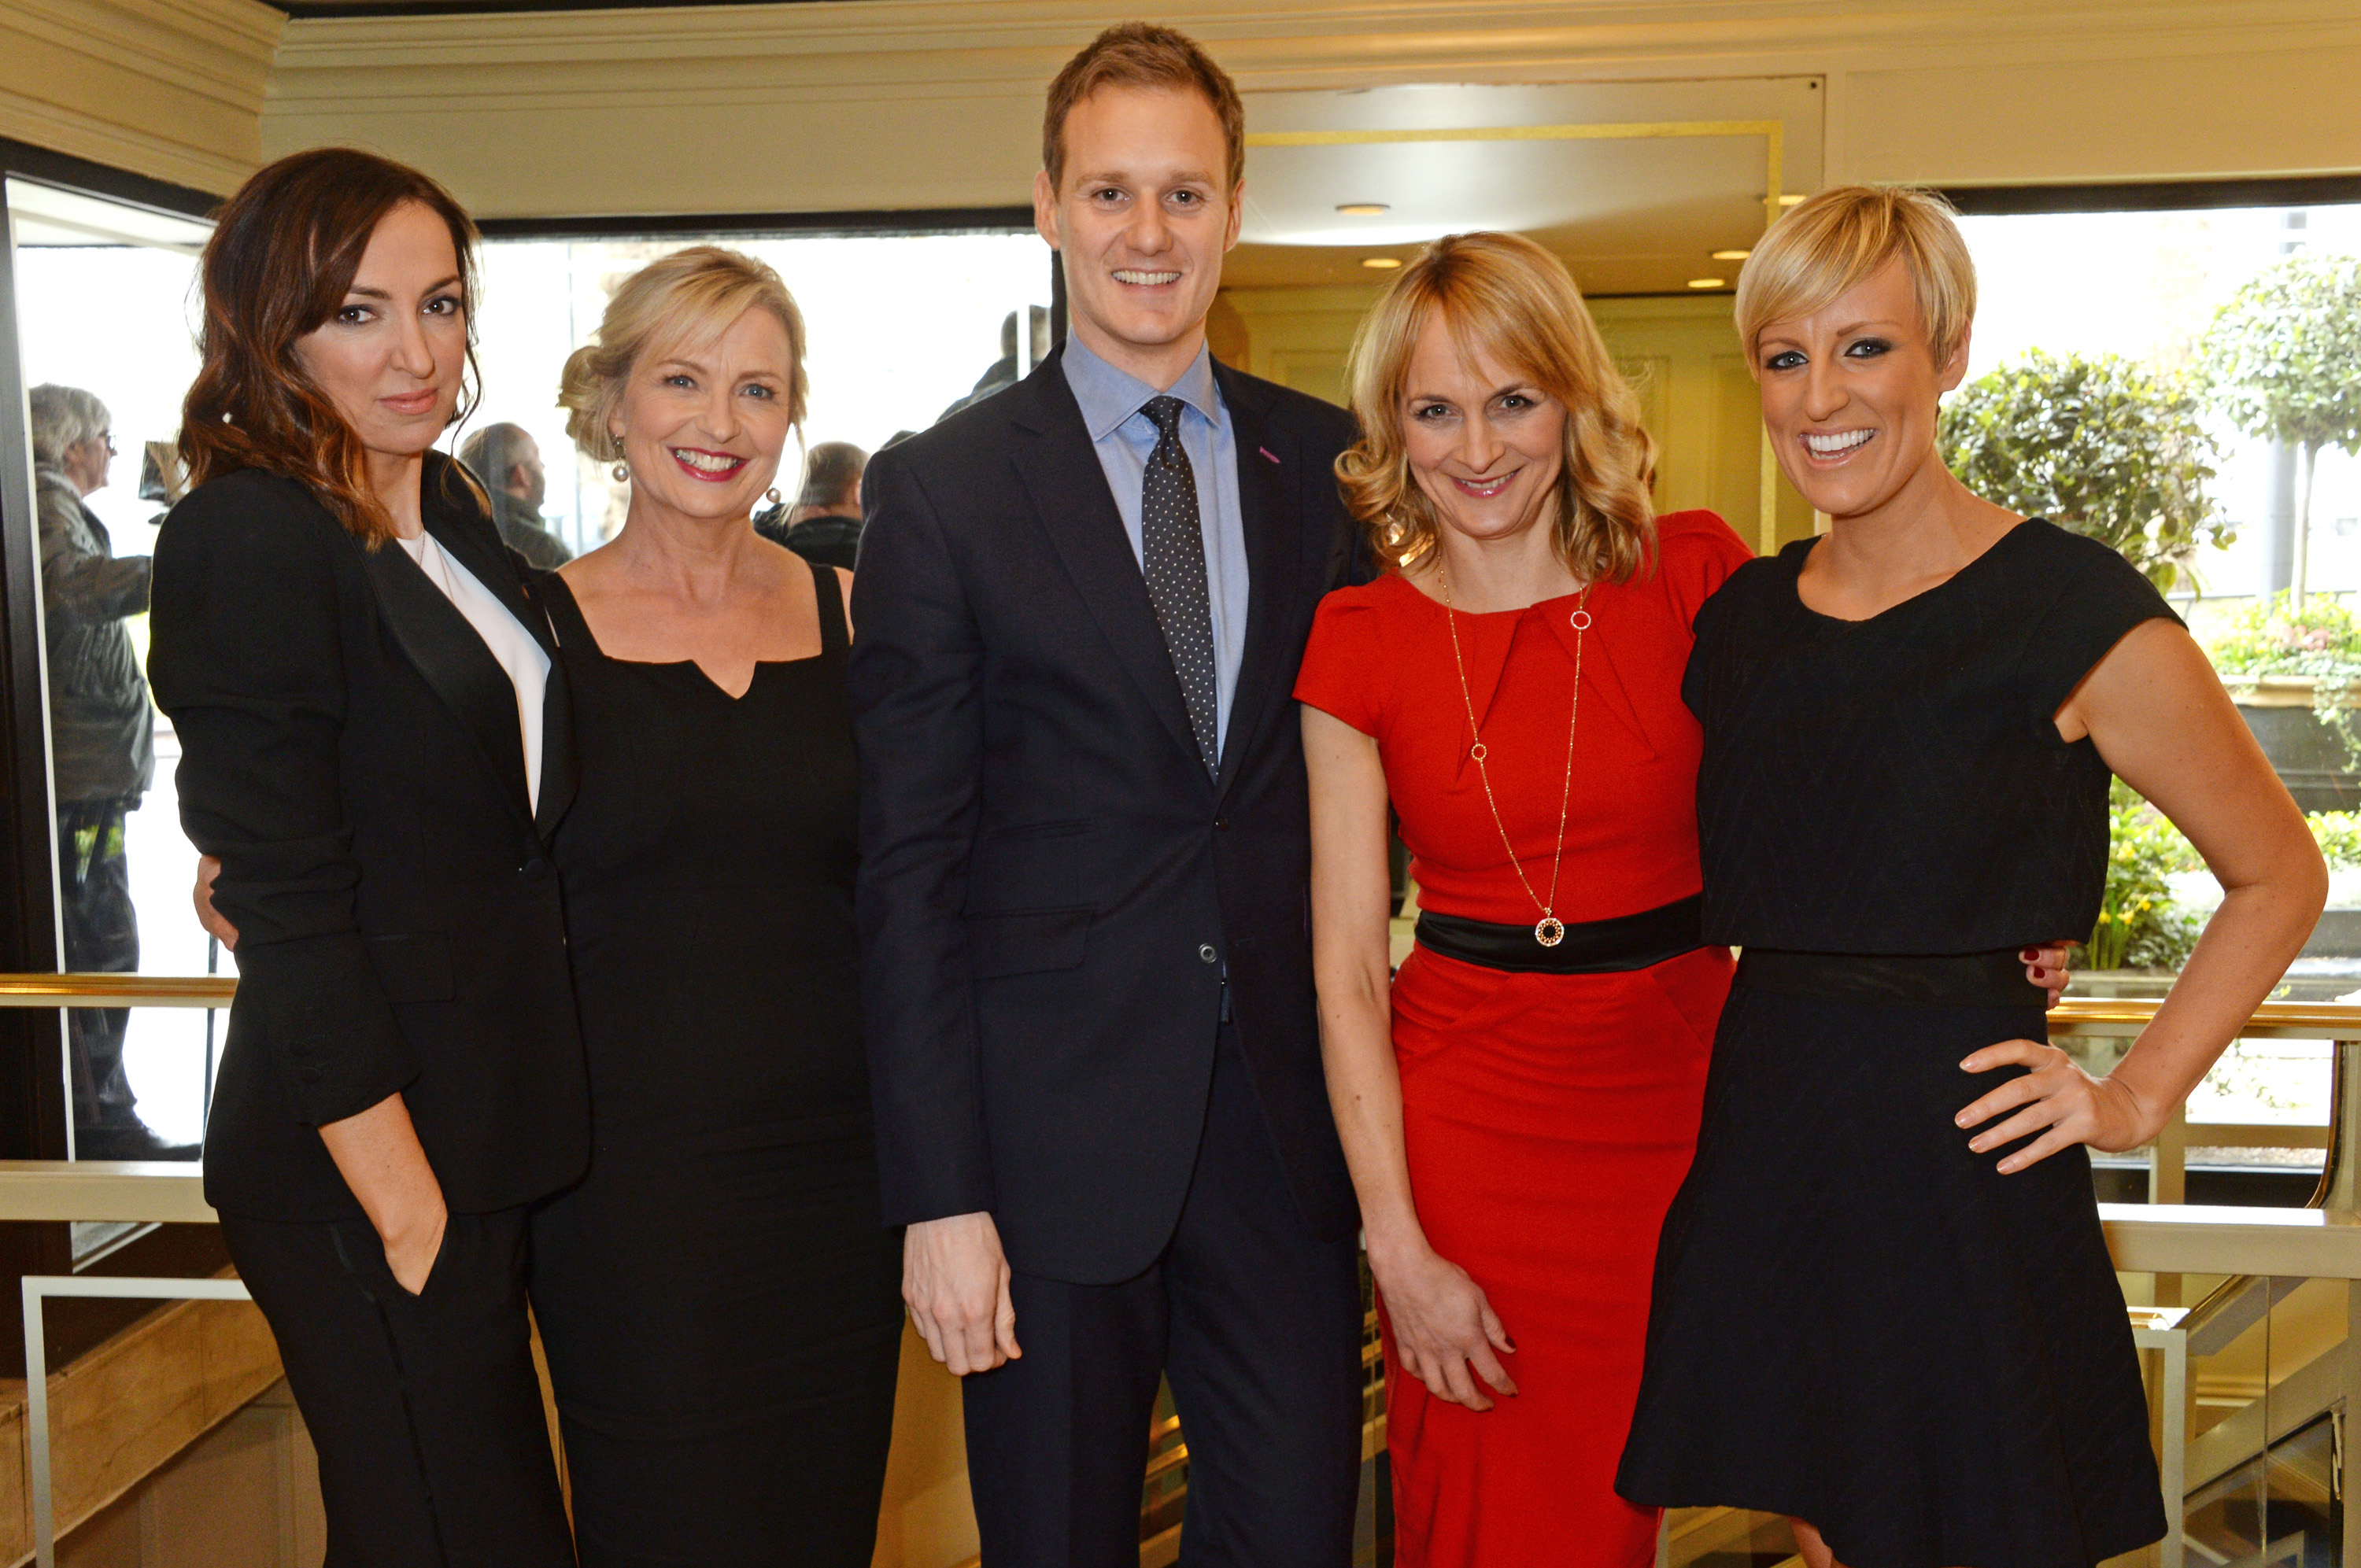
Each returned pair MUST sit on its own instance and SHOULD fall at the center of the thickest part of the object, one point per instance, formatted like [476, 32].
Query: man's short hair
[832, 474]
[63, 417]
[493, 450]
[1141, 54]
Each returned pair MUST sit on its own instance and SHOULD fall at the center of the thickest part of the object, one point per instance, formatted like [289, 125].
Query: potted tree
[2100, 444]
[2282, 362]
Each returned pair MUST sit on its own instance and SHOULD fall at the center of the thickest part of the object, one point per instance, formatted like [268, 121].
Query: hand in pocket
[413, 1255]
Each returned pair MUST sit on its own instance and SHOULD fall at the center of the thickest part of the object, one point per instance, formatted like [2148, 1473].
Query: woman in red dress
[1519, 1104]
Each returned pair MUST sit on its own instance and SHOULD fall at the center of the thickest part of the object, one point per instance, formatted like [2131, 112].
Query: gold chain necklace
[1549, 931]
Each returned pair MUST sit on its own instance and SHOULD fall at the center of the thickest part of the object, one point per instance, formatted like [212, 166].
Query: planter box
[2308, 757]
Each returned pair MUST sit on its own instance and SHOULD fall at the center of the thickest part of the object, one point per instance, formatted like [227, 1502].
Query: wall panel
[931, 103]
[170, 88]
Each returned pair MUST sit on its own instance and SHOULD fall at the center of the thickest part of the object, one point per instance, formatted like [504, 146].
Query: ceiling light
[1363, 209]
[1382, 263]
[1705, 283]
[1791, 199]
[1731, 255]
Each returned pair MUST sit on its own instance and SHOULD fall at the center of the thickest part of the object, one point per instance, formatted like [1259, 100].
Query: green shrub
[2139, 926]
[2339, 836]
[2316, 637]
[2103, 446]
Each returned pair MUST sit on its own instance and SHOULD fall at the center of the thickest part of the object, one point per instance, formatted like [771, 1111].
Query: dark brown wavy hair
[282, 256]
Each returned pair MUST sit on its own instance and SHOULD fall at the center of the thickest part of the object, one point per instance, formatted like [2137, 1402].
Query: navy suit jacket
[1052, 886]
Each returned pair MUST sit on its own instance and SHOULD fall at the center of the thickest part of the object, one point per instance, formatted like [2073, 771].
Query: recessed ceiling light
[1705, 283]
[1382, 263]
[1731, 255]
[1363, 209]
[1790, 198]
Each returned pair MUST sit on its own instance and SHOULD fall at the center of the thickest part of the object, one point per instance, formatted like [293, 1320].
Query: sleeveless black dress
[1856, 1321]
[719, 1299]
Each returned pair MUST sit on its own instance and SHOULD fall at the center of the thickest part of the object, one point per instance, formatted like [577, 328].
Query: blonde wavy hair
[1823, 247]
[1502, 295]
[680, 302]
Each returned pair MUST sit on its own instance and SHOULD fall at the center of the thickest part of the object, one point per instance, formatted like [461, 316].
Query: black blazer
[350, 750]
[1051, 883]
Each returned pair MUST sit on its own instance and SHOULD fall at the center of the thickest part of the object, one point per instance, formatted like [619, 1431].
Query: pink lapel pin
[1268, 453]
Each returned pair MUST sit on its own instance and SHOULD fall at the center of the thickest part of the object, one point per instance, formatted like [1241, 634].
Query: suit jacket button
[1221, 824]
[1206, 952]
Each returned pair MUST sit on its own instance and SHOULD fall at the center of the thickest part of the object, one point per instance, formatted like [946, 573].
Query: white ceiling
[1659, 176]
[43, 214]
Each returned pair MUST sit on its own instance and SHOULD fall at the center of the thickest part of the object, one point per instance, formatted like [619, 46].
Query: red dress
[1548, 1118]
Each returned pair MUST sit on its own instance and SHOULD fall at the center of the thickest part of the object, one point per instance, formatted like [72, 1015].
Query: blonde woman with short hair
[1882, 1304]
[1517, 1104]
[718, 1296]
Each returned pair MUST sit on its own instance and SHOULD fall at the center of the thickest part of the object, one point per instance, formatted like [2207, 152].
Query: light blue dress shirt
[1125, 438]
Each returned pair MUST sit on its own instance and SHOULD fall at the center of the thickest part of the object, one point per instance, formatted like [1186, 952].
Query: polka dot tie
[1172, 552]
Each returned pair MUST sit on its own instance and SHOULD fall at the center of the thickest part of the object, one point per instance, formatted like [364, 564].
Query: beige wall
[935, 102]
[172, 89]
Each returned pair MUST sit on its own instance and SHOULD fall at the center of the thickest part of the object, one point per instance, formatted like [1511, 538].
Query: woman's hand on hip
[2046, 966]
[2057, 1099]
[208, 868]
[1445, 1330]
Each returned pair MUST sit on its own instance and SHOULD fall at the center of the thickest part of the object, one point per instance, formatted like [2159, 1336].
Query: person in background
[508, 460]
[1007, 370]
[374, 746]
[102, 753]
[823, 526]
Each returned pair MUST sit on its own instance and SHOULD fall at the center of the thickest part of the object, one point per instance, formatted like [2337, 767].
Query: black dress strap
[827, 588]
[564, 615]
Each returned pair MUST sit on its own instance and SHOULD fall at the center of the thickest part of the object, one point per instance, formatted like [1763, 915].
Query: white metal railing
[2164, 1237]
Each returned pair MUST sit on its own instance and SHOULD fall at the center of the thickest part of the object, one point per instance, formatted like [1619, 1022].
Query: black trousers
[1256, 1324]
[102, 938]
[425, 1410]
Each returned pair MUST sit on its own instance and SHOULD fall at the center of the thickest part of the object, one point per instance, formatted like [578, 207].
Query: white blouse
[509, 643]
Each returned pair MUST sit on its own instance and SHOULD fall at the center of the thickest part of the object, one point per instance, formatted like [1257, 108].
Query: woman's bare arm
[1443, 1326]
[2158, 715]
[378, 1155]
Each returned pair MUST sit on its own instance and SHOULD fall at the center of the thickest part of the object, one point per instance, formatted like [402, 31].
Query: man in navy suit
[1086, 958]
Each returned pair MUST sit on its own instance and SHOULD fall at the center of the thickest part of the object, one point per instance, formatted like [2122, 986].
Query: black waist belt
[1914, 980]
[1594, 947]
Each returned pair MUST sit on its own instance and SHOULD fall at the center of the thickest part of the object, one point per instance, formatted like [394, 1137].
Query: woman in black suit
[375, 748]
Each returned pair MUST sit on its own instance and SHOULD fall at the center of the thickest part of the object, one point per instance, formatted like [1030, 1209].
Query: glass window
[104, 295]
[900, 328]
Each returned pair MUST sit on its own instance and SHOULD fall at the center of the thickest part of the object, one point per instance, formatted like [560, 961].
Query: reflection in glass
[104, 295]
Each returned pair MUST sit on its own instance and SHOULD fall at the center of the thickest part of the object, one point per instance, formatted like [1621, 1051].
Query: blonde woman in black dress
[1884, 1305]
[719, 1298]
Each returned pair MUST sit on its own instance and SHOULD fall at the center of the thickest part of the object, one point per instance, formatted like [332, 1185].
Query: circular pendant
[1477, 752]
[1580, 620]
[1550, 932]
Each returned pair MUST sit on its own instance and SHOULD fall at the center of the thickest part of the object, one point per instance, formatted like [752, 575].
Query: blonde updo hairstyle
[1502, 295]
[678, 303]
[1826, 245]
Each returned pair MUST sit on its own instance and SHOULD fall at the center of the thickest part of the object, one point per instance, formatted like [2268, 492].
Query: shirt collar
[1109, 396]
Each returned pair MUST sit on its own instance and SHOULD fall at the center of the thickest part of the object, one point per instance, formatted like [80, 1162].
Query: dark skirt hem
[1754, 1500]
